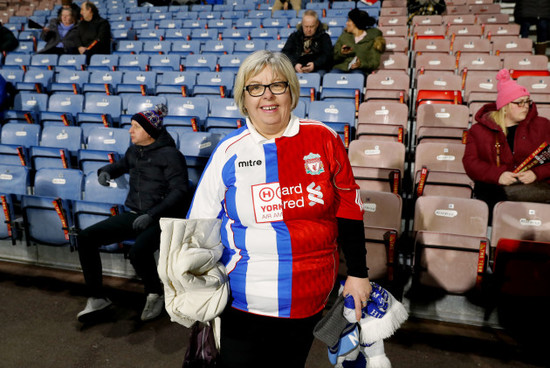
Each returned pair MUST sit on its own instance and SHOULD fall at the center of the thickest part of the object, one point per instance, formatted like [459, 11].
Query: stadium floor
[39, 329]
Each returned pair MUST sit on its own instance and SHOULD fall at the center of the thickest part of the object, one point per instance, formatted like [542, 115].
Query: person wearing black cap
[158, 188]
[359, 47]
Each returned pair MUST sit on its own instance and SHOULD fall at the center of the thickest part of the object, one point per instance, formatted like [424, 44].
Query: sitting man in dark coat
[309, 48]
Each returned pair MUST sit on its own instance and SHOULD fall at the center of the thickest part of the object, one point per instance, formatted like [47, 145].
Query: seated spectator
[61, 35]
[68, 4]
[506, 133]
[359, 47]
[534, 12]
[309, 48]
[8, 41]
[94, 31]
[158, 188]
[286, 5]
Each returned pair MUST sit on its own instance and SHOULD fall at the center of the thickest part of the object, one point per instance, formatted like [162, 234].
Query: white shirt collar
[291, 130]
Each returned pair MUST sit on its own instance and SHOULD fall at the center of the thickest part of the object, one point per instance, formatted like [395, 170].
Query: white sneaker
[153, 307]
[93, 305]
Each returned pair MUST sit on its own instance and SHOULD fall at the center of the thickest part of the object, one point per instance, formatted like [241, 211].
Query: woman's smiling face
[269, 113]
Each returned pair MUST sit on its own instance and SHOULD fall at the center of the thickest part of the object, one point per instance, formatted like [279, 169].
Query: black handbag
[202, 351]
[535, 192]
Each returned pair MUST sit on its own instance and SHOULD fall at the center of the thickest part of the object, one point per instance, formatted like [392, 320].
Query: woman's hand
[508, 178]
[82, 49]
[527, 177]
[345, 49]
[360, 289]
[356, 64]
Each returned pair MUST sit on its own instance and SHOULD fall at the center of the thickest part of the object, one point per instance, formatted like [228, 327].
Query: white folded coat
[196, 286]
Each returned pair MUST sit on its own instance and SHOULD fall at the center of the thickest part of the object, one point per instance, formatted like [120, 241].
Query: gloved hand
[103, 178]
[142, 222]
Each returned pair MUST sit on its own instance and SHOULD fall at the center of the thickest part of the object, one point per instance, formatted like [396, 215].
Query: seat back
[522, 221]
[21, 134]
[64, 183]
[115, 193]
[108, 139]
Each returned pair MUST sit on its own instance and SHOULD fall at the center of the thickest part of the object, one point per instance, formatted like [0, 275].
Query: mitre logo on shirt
[268, 203]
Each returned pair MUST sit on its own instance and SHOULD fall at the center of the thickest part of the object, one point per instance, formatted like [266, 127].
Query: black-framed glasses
[523, 103]
[257, 90]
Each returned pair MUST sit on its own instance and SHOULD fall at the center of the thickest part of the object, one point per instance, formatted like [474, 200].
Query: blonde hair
[498, 118]
[254, 64]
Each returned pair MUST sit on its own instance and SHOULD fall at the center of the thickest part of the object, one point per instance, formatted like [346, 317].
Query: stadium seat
[181, 108]
[62, 109]
[70, 80]
[337, 86]
[108, 139]
[184, 48]
[37, 80]
[450, 243]
[214, 83]
[133, 62]
[378, 165]
[103, 62]
[200, 63]
[197, 148]
[71, 62]
[180, 83]
[12, 154]
[383, 120]
[382, 218]
[103, 81]
[245, 47]
[441, 123]
[230, 63]
[21, 134]
[49, 157]
[68, 137]
[15, 180]
[165, 62]
[438, 170]
[310, 85]
[99, 109]
[224, 116]
[339, 115]
[139, 82]
[386, 85]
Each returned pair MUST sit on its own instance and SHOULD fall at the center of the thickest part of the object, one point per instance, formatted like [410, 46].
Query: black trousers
[250, 341]
[113, 230]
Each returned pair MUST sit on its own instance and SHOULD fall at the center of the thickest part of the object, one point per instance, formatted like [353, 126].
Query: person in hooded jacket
[158, 188]
[309, 48]
[507, 132]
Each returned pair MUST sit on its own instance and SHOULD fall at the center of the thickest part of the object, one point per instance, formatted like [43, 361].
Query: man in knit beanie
[158, 188]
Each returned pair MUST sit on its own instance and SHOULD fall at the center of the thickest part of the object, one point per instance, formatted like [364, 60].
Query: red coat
[480, 154]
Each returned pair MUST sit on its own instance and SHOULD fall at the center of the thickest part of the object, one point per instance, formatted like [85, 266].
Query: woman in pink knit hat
[506, 134]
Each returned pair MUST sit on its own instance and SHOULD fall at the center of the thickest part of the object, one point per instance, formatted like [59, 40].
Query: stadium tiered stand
[404, 127]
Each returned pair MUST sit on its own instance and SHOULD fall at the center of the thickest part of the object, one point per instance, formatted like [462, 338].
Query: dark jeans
[113, 230]
[490, 194]
[250, 341]
[542, 28]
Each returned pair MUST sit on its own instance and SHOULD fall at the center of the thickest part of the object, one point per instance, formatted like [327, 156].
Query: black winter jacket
[532, 9]
[158, 178]
[97, 29]
[321, 48]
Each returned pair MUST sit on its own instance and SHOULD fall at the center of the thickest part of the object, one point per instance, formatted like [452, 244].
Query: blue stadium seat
[275, 22]
[12, 154]
[310, 84]
[19, 60]
[49, 157]
[144, 103]
[201, 63]
[165, 62]
[70, 81]
[230, 62]
[276, 45]
[12, 75]
[336, 85]
[103, 62]
[248, 23]
[108, 139]
[100, 109]
[170, 24]
[204, 34]
[133, 62]
[233, 14]
[25, 47]
[72, 62]
[259, 14]
[339, 115]
[264, 33]
[129, 47]
[91, 160]
[245, 47]
[62, 108]
[172, 83]
[150, 34]
[38, 80]
[8, 228]
[69, 137]
[209, 15]
[21, 134]
[224, 116]
[234, 34]
[182, 111]
[102, 81]
[115, 193]
[177, 34]
[121, 25]
[214, 83]
[142, 82]
[31, 102]
[218, 47]
[197, 148]
[64, 183]
[15, 179]
[44, 60]
[143, 24]
[184, 48]
[219, 24]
